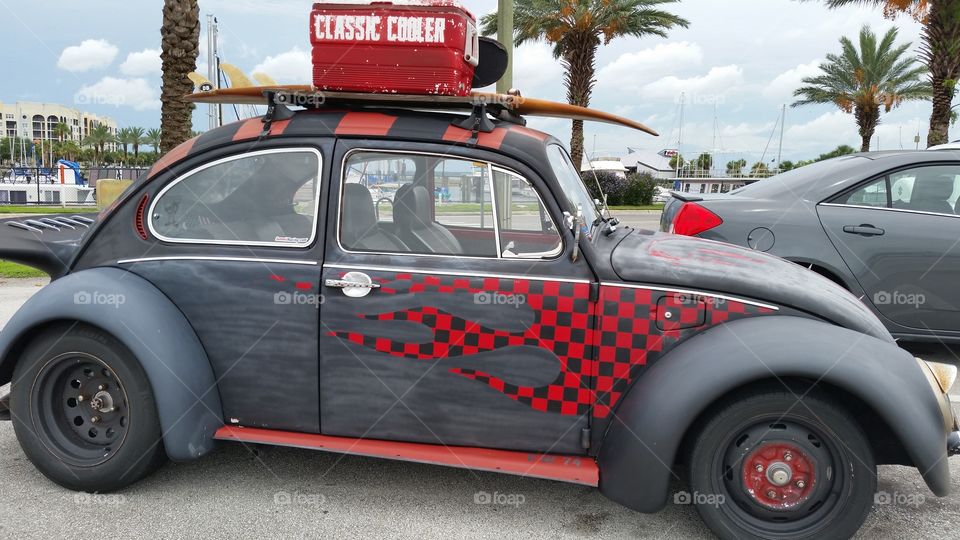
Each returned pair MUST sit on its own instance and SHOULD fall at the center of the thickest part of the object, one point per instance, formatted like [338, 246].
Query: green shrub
[640, 190]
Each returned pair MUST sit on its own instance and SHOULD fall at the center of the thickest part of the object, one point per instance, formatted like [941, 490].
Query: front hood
[693, 263]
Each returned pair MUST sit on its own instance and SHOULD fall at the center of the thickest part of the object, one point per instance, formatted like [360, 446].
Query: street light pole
[505, 36]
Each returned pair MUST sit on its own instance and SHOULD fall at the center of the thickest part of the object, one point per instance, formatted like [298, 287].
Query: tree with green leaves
[940, 52]
[123, 139]
[576, 29]
[137, 136]
[735, 167]
[62, 131]
[860, 82]
[760, 170]
[179, 46]
[787, 165]
[842, 150]
[152, 139]
[97, 139]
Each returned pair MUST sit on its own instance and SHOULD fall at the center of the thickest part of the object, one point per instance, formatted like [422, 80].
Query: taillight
[693, 219]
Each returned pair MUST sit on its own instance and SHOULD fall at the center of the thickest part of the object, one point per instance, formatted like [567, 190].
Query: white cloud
[90, 54]
[781, 88]
[134, 93]
[632, 68]
[139, 64]
[293, 66]
[714, 87]
[537, 73]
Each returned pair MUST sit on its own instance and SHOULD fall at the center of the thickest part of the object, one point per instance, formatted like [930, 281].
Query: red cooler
[396, 47]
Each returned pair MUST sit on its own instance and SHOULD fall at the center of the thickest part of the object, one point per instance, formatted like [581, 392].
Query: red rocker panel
[563, 468]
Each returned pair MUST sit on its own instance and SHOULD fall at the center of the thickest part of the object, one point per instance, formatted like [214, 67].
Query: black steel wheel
[83, 410]
[768, 466]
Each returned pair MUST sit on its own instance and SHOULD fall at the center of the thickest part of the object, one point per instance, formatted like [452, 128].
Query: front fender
[154, 330]
[641, 443]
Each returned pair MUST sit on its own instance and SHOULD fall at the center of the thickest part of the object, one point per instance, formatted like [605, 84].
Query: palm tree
[861, 82]
[180, 44]
[152, 138]
[62, 131]
[576, 29]
[137, 137]
[123, 138]
[940, 52]
[97, 139]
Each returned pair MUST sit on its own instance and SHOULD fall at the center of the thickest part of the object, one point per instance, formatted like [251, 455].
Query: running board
[564, 468]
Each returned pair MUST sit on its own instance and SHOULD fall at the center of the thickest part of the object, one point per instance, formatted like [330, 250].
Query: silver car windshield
[576, 193]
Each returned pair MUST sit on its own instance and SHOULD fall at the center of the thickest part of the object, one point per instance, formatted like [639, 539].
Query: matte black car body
[639, 333]
[879, 254]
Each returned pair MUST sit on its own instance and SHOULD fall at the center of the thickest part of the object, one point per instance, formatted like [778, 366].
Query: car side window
[266, 198]
[440, 205]
[927, 189]
[526, 230]
[872, 194]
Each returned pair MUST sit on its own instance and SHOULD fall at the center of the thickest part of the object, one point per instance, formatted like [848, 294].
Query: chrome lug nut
[787, 456]
[801, 484]
[95, 420]
[80, 398]
[102, 387]
[772, 494]
[759, 467]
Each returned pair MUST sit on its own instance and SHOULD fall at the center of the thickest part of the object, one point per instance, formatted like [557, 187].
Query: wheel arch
[148, 324]
[680, 388]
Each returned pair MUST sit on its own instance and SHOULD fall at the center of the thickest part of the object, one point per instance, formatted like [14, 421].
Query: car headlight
[941, 378]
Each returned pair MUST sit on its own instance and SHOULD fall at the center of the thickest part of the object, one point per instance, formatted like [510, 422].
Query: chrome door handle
[344, 284]
[353, 284]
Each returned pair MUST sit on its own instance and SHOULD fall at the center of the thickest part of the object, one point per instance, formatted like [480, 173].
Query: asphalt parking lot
[244, 490]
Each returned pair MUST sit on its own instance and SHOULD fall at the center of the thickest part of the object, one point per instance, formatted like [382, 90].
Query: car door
[234, 240]
[900, 235]
[453, 313]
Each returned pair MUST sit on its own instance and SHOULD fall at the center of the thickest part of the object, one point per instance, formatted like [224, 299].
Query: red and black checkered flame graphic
[626, 338]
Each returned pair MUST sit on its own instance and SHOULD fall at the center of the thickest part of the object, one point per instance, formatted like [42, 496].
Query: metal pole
[783, 120]
[505, 36]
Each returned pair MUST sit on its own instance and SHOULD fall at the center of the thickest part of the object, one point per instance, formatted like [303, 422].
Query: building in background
[36, 121]
[645, 161]
[605, 164]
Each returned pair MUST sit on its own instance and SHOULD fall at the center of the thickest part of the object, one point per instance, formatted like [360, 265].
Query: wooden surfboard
[524, 106]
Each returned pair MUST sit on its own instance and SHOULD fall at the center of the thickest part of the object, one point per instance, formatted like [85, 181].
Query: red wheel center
[779, 475]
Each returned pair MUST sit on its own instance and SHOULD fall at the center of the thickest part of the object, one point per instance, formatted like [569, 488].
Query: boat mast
[680, 136]
[783, 121]
[214, 112]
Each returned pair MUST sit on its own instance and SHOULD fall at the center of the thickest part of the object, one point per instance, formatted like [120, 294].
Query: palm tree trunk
[867, 120]
[941, 51]
[580, 59]
[180, 44]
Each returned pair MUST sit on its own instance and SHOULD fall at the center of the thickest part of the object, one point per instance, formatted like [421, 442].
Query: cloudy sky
[737, 64]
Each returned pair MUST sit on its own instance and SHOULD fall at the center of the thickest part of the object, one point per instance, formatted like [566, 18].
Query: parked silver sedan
[885, 225]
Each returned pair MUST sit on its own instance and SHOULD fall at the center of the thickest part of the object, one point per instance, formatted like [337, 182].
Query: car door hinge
[585, 437]
[594, 292]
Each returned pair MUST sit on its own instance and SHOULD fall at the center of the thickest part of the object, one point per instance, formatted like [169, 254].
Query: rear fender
[642, 442]
[137, 314]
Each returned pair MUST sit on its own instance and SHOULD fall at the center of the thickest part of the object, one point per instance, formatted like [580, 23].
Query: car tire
[774, 464]
[84, 412]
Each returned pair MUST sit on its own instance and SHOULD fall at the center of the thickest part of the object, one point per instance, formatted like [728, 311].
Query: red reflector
[693, 219]
[140, 218]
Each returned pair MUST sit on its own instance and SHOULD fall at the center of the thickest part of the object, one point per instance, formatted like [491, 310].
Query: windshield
[573, 188]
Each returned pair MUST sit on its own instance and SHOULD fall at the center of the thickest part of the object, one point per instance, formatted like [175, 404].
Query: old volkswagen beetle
[436, 286]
